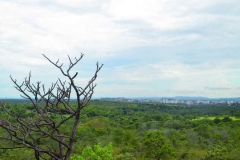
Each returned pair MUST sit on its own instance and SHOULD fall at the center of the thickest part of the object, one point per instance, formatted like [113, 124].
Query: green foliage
[227, 119]
[19, 154]
[217, 120]
[217, 153]
[157, 147]
[96, 153]
[148, 131]
[125, 156]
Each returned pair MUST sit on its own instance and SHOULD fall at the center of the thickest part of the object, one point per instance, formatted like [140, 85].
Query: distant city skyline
[148, 47]
[178, 100]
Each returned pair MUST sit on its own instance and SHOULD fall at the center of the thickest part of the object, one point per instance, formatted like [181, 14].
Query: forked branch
[42, 131]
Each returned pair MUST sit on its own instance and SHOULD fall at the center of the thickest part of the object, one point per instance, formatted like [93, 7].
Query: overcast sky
[148, 47]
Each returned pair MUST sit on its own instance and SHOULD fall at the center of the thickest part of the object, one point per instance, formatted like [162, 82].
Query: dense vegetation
[128, 131]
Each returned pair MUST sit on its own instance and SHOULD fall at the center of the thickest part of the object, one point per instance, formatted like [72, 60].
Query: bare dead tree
[42, 133]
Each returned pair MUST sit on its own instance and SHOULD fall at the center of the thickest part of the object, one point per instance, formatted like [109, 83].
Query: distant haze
[148, 47]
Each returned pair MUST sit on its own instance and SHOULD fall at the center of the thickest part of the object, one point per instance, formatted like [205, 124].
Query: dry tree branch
[41, 132]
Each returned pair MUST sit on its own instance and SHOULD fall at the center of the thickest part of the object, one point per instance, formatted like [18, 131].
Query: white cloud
[169, 78]
[162, 15]
[47, 30]
[196, 39]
